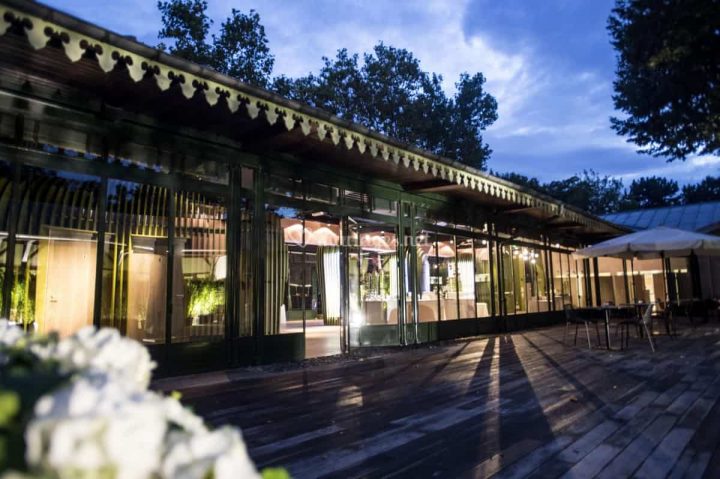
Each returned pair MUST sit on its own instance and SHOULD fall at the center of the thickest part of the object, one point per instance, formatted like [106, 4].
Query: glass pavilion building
[223, 225]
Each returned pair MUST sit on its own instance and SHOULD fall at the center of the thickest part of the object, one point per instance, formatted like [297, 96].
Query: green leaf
[275, 473]
[9, 407]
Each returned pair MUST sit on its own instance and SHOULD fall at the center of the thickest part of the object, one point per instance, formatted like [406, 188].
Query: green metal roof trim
[41, 23]
[700, 217]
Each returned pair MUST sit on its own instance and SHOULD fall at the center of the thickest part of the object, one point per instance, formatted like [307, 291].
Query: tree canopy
[240, 50]
[588, 190]
[651, 192]
[668, 75]
[388, 91]
[603, 194]
[385, 90]
[706, 190]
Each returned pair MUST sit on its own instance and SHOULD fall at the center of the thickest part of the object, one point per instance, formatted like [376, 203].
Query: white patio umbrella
[654, 243]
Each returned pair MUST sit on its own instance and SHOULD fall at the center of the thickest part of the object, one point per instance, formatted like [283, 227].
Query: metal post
[625, 280]
[596, 277]
[100, 226]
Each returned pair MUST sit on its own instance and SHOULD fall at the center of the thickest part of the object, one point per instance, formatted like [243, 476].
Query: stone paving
[517, 405]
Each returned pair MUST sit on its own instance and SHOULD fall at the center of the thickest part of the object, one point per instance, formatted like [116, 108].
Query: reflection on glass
[612, 280]
[482, 278]
[55, 254]
[444, 275]
[313, 301]
[541, 273]
[577, 267]
[200, 229]
[648, 281]
[427, 296]
[374, 296]
[560, 286]
[680, 283]
[134, 297]
[465, 278]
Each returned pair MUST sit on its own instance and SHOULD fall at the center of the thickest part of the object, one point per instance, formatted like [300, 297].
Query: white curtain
[466, 274]
[329, 278]
[393, 270]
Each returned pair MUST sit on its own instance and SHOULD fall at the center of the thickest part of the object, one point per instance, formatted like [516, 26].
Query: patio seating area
[518, 405]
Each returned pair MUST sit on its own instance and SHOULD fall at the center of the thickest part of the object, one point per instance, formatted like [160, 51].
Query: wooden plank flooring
[519, 405]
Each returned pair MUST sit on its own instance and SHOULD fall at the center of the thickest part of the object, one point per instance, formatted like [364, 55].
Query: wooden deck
[521, 405]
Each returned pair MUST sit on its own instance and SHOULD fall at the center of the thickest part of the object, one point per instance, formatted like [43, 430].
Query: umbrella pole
[632, 272]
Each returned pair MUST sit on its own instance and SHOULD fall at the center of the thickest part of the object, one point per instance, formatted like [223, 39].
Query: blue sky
[549, 64]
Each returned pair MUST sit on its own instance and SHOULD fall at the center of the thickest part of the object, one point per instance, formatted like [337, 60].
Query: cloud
[549, 64]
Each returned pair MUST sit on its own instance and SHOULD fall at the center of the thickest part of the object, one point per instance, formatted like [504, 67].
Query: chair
[643, 322]
[572, 316]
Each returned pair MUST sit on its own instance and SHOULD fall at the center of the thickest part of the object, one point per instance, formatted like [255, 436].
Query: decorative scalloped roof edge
[237, 98]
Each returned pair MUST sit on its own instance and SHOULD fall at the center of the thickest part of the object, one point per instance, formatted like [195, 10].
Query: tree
[390, 93]
[668, 74]
[241, 49]
[521, 180]
[706, 190]
[589, 191]
[651, 192]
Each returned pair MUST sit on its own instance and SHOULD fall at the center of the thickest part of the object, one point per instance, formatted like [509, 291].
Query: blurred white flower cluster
[104, 422]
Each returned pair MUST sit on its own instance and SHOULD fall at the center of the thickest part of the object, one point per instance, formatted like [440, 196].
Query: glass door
[373, 277]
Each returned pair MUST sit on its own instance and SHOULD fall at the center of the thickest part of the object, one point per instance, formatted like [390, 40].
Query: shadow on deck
[517, 405]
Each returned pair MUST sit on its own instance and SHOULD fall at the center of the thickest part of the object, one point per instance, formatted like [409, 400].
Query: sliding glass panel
[560, 283]
[446, 276]
[579, 268]
[521, 278]
[134, 296]
[465, 278]
[201, 232]
[427, 286]
[509, 294]
[374, 302]
[379, 274]
[482, 278]
[276, 272]
[56, 251]
[538, 263]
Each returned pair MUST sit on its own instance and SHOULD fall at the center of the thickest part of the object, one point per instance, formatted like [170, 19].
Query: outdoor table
[607, 309]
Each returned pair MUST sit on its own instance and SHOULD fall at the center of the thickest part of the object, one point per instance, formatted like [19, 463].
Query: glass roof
[698, 217]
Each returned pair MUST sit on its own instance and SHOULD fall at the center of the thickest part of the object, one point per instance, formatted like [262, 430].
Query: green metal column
[259, 249]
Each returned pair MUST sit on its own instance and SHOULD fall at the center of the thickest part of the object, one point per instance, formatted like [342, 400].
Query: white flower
[10, 334]
[220, 454]
[93, 427]
[180, 416]
[103, 351]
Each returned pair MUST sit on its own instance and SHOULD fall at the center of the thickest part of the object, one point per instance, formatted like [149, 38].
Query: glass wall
[612, 281]
[374, 285]
[648, 281]
[200, 233]
[56, 251]
[679, 279]
[135, 267]
[560, 280]
[444, 268]
[483, 289]
[427, 283]
[465, 272]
